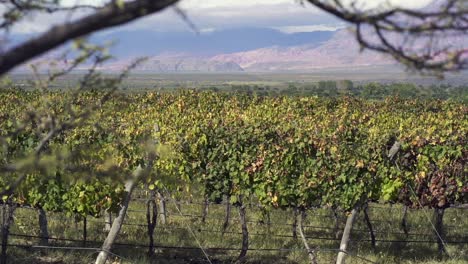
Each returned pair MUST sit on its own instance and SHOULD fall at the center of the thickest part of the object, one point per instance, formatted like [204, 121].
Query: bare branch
[105, 17]
[377, 30]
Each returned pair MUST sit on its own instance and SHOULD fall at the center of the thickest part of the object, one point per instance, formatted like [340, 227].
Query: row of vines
[282, 152]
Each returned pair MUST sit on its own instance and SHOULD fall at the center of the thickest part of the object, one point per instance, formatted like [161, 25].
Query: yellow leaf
[275, 199]
[360, 164]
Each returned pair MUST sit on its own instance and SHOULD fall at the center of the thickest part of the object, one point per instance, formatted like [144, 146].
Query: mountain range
[236, 50]
[208, 43]
[251, 50]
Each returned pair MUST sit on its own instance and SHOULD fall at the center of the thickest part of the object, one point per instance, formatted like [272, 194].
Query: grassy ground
[265, 238]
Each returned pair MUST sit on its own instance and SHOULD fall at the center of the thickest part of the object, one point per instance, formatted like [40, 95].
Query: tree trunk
[245, 233]
[162, 208]
[404, 222]
[151, 220]
[345, 237]
[7, 220]
[118, 221]
[439, 230]
[310, 252]
[204, 210]
[108, 221]
[43, 230]
[227, 214]
[294, 225]
[369, 226]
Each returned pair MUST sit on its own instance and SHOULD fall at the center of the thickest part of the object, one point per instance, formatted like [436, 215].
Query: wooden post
[227, 214]
[151, 220]
[294, 225]
[205, 210]
[43, 230]
[85, 233]
[108, 221]
[404, 222]
[245, 233]
[7, 220]
[345, 237]
[268, 222]
[336, 228]
[439, 229]
[118, 221]
[162, 208]
[3, 257]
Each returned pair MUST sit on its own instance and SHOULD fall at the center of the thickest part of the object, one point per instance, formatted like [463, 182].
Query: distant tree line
[372, 90]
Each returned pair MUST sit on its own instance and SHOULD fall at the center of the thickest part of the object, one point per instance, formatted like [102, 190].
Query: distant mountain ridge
[237, 50]
[150, 43]
[339, 50]
[187, 51]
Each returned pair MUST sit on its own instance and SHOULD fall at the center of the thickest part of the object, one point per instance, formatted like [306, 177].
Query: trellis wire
[238, 233]
[290, 236]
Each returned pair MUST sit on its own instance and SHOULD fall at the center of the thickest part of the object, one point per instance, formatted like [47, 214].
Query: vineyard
[279, 159]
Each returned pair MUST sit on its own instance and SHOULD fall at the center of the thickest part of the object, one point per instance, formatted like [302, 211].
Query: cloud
[209, 4]
[278, 14]
[286, 15]
[234, 14]
[311, 28]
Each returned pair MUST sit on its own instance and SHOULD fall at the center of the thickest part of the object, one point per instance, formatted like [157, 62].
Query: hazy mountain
[254, 50]
[339, 51]
[187, 51]
[265, 50]
[148, 43]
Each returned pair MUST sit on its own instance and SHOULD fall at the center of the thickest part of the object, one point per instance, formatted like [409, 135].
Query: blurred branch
[183, 15]
[47, 6]
[388, 31]
[112, 14]
[15, 10]
[34, 160]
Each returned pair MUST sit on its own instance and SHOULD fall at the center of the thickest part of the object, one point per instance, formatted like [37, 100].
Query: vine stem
[369, 225]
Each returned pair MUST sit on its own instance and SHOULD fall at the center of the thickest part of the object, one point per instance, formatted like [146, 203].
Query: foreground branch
[413, 38]
[109, 16]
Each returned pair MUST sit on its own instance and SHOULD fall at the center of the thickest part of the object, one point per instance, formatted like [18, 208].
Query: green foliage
[284, 151]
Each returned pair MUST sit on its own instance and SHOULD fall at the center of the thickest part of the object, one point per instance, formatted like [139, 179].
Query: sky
[209, 15]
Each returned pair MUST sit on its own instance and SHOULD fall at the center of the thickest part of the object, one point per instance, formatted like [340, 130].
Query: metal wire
[193, 234]
[429, 220]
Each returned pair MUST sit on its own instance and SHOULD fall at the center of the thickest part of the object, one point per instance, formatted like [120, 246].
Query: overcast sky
[209, 15]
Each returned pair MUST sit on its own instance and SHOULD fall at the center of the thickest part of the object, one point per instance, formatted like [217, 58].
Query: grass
[263, 237]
